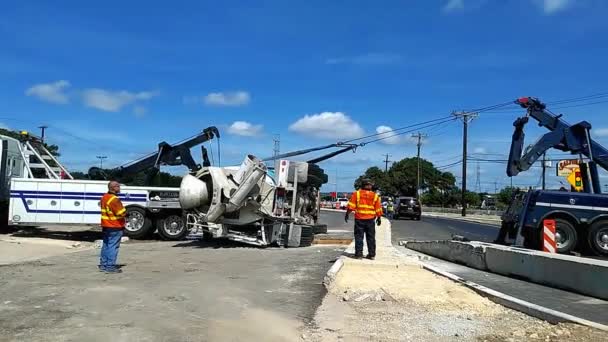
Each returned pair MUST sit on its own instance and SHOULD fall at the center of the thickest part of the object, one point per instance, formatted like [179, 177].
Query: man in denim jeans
[112, 224]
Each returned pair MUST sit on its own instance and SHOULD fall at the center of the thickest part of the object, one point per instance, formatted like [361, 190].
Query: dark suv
[407, 207]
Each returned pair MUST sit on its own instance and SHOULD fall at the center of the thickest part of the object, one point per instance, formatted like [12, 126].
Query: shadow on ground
[219, 243]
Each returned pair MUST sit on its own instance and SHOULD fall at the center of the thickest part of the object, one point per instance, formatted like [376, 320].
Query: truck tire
[597, 238]
[138, 223]
[566, 237]
[320, 229]
[306, 236]
[172, 227]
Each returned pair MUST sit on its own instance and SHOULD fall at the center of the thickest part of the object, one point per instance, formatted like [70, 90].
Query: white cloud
[367, 59]
[228, 99]
[244, 128]
[50, 92]
[453, 5]
[599, 132]
[113, 101]
[479, 150]
[389, 138]
[333, 125]
[553, 6]
[139, 111]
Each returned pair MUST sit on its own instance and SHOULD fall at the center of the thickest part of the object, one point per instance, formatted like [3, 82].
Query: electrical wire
[405, 132]
[397, 129]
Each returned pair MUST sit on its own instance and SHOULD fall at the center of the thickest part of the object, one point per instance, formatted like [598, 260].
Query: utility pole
[466, 117]
[336, 185]
[544, 168]
[495, 187]
[386, 161]
[101, 158]
[478, 179]
[419, 136]
[276, 139]
[42, 128]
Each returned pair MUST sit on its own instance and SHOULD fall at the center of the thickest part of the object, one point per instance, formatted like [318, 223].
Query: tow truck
[246, 203]
[581, 217]
[39, 190]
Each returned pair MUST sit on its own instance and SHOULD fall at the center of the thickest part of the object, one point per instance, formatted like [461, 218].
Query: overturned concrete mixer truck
[253, 205]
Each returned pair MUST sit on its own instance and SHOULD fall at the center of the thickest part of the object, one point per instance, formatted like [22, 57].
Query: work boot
[112, 270]
[358, 256]
[370, 257]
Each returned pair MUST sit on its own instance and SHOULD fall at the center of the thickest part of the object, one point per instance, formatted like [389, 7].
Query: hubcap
[602, 239]
[135, 221]
[174, 225]
[561, 238]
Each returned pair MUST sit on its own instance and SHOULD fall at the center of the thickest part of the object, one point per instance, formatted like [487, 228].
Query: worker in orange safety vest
[368, 212]
[112, 224]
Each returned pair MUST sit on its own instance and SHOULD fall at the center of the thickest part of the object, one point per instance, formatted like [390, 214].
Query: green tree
[401, 179]
[376, 175]
[504, 196]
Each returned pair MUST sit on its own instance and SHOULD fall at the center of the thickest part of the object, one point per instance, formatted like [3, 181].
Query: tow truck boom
[167, 154]
[562, 136]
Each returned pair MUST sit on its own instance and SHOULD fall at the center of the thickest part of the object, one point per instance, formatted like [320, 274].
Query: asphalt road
[169, 291]
[428, 228]
[431, 228]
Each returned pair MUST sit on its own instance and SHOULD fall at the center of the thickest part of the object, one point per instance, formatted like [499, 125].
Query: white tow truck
[246, 203]
[38, 190]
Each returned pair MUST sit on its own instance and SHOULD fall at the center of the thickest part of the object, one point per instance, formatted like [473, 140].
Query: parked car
[341, 203]
[407, 207]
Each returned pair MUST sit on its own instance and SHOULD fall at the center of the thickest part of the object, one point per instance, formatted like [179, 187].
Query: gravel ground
[185, 291]
[394, 299]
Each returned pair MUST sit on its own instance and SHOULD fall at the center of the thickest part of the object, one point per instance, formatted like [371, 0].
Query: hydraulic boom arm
[562, 136]
[177, 154]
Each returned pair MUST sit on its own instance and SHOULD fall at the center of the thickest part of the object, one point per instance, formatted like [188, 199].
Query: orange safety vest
[365, 204]
[112, 212]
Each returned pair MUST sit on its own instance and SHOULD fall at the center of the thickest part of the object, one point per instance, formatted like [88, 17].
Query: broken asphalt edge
[497, 297]
[511, 302]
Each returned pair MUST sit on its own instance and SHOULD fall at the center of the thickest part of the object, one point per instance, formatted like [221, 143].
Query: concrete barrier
[582, 275]
[567, 272]
[470, 254]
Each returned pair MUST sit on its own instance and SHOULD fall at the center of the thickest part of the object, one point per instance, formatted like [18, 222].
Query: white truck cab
[37, 190]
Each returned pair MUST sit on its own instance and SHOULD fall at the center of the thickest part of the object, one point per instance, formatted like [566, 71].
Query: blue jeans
[109, 249]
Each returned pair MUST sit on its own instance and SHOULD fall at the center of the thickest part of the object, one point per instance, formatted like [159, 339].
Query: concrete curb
[576, 274]
[489, 221]
[333, 271]
[528, 308]
[334, 210]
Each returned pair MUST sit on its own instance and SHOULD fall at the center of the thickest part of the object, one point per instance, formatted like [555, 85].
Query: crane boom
[575, 139]
[167, 154]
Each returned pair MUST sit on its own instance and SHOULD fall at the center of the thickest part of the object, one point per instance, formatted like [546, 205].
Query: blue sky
[115, 78]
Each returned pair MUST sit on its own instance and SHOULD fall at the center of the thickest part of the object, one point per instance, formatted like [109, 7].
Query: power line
[399, 129]
[406, 132]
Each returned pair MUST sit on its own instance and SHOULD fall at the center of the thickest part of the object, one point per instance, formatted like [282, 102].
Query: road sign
[564, 167]
[576, 180]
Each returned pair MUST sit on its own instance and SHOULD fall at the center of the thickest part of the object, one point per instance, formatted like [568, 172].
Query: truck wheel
[597, 238]
[138, 224]
[306, 236]
[171, 227]
[566, 236]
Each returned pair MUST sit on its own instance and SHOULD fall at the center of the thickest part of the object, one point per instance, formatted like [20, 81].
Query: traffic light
[578, 181]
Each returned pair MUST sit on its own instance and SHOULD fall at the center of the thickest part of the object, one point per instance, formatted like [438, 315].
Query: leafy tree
[377, 176]
[401, 179]
[504, 196]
